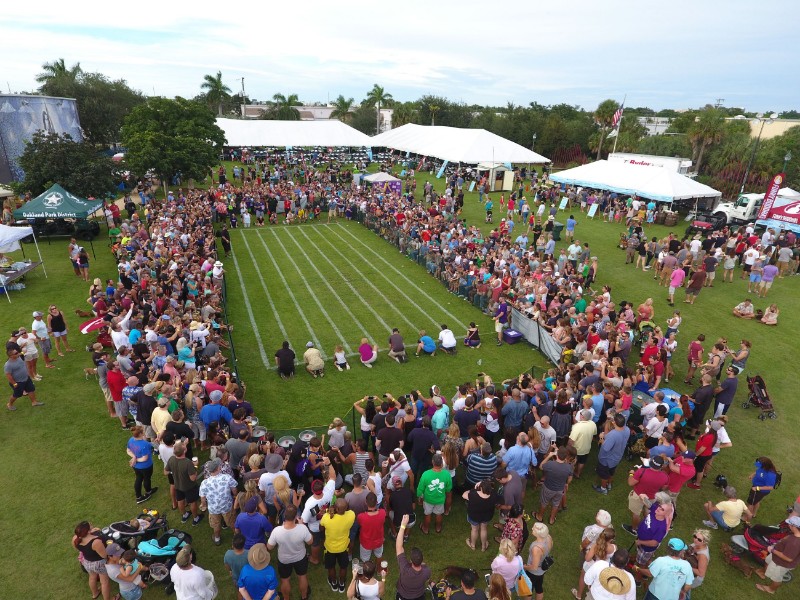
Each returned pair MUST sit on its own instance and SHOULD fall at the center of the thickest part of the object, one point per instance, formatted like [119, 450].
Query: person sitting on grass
[447, 340]
[368, 352]
[425, 344]
[744, 310]
[340, 358]
[728, 513]
[771, 315]
[312, 358]
[473, 338]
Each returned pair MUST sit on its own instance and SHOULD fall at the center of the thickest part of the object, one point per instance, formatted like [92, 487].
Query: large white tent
[298, 134]
[470, 146]
[380, 178]
[10, 238]
[655, 183]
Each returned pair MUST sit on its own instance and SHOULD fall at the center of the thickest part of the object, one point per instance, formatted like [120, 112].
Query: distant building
[21, 116]
[654, 125]
[313, 112]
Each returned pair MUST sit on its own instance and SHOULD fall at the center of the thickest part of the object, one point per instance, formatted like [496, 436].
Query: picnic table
[14, 273]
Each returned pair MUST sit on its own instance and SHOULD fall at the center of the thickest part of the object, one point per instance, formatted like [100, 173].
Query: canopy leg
[40, 259]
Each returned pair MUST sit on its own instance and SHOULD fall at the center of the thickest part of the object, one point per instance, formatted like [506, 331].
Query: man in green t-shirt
[433, 491]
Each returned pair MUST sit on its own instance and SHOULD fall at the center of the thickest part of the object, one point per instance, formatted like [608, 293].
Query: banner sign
[563, 205]
[772, 193]
[592, 211]
[441, 170]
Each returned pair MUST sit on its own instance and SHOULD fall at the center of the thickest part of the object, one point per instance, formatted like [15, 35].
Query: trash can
[557, 229]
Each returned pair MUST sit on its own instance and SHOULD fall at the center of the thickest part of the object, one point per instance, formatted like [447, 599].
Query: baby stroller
[645, 329]
[159, 555]
[128, 536]
[757, 538]
[759, 398]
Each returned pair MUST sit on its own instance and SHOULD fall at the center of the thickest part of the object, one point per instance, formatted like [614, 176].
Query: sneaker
[37, 403]
[342, 587]
[630, 530]
[340, 368]
[224, 525]
[196, 520]
[711, 524]
[334, 585]
[10, 407]
[347, 366]
[600, 489]
[185, 516]
[369, 366]
[693, 485]
[608, 487]
[140, 499]
[153, 490]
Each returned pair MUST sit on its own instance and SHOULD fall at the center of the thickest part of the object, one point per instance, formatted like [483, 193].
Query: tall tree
[171, 137]
[404, 113]
[282, 108]
[378, 97]
[604, 117]
[342, 108]
[216, 91]
[706, 130]
[77, 166]
[58, 70]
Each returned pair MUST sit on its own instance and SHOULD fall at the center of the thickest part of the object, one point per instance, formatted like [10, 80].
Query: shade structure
[11, 236]
[299, 134]
[380, 177]
[57, 203]
[655, 183]
[471, 146]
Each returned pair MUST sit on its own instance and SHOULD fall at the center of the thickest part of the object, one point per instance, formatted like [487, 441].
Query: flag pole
[619, 125]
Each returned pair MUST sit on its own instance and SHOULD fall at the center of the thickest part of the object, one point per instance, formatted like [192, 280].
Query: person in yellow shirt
[728, 513]
[337, 523]
[161, 416]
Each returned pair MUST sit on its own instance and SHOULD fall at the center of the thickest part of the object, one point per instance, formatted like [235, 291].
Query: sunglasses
[699, 538]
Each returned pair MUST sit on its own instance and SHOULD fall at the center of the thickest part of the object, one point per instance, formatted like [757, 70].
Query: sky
[676, 54]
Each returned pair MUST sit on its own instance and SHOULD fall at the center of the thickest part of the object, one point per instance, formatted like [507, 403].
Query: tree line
[157, 131]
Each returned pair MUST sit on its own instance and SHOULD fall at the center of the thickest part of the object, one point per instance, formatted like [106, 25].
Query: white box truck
[746, 207]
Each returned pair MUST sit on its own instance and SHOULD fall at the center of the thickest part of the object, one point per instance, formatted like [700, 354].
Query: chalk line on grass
[312, 293]
[266, 290]
[297, 305]
[365, 279]
[249, 308]
[400, 273]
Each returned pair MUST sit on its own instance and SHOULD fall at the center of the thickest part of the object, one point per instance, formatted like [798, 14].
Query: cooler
[511, 336]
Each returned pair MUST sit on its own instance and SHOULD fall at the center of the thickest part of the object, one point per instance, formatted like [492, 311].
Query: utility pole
[243, 100]
[719, 102]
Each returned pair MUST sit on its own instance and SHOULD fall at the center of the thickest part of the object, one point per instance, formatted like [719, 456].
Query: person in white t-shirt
[447, 340]
[609, 580]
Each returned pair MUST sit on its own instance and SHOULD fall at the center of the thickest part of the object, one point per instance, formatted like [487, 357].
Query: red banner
[769, 197]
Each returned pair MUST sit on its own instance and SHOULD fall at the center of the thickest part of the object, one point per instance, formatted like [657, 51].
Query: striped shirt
[480, 467]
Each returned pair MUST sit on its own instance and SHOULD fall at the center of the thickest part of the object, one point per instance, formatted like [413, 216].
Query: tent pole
[40, 257]
[91, 245]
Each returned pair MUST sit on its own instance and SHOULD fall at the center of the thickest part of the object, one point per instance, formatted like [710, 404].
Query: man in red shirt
[645, 481]
[370, 533]
[680, 470]
[650, 352]
[695, 357]
[116, 381]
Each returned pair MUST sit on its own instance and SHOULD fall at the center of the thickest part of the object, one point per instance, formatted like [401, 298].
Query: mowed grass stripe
[346, 230]
[352, 304]
[369, 272]
[250, 314]
[276, 315]
[300, 271]
[292, 300]
[350, 267]
[371, 267]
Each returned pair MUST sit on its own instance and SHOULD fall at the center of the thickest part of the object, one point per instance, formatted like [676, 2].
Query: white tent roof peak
[380, 177]
[333, 133]
[655, 183]
[470, 146]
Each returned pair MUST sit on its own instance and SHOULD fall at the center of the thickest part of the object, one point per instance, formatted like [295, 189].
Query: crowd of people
[498, 446]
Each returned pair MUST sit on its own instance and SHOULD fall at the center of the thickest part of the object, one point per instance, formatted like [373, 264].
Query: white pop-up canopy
[298, 134]
[471, 146]
[655, 183]
[10, 238]
[380, 178]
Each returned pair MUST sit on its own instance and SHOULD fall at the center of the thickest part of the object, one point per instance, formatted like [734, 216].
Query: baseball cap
[689, 454]
[657, 462]
[309, 344]
[114, 550]
[793, 521]
[677, 544]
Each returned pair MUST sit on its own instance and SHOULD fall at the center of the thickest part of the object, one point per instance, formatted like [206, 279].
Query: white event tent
[333, 133]
[470, 146]
[655, 183]
[380, 178]
[10, 238]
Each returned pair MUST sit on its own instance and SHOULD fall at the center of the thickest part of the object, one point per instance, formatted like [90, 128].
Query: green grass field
[66, 461]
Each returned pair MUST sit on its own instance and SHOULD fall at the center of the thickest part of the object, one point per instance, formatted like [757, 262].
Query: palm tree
[434, 108]
[708, 128]
[283, 108]
[342, 108]
[378, 97]
[604, 117]
[58, 70]
[216, 91]
[403, 114]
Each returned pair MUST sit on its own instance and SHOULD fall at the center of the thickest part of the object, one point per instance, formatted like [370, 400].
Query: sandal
[575, 594]
[469, 544]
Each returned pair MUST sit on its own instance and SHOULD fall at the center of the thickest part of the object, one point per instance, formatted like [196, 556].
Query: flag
[618, 116]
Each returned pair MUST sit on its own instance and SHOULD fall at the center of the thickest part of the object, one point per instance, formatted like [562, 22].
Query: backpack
[778, 478]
